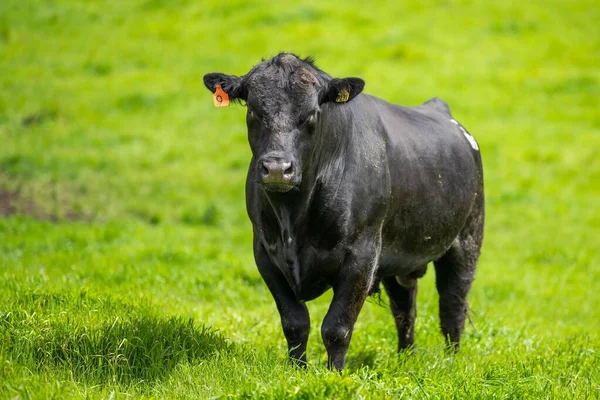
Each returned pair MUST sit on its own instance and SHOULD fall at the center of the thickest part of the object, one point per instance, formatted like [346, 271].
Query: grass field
[126, 267]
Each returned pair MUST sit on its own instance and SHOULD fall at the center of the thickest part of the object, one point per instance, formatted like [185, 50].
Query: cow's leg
[349, 293]
[454, 275]
[295, 320]
[403, 302]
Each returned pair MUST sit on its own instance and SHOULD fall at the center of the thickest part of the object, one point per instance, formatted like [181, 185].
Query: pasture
[126, 266]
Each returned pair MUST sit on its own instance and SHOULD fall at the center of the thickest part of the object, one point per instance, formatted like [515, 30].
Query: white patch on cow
[470, 138]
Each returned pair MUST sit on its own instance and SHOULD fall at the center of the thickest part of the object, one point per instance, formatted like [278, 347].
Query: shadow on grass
[144, 348]
[365, 358]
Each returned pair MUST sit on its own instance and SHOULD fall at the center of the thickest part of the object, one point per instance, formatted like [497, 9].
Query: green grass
[125, 250]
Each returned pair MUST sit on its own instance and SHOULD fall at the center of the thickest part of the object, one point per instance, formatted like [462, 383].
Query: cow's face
[283, 97]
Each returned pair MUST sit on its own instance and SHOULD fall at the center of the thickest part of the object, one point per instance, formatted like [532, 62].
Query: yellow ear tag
[220, 98]
[342, 96]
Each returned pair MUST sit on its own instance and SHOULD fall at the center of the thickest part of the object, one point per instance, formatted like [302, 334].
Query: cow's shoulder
[439, 105]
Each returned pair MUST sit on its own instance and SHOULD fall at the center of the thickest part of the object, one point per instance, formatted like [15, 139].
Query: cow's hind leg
[402, 292]
[403, 302]
[454, 276]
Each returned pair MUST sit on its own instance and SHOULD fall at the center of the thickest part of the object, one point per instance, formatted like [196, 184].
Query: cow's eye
[250, 112]
[311, 120]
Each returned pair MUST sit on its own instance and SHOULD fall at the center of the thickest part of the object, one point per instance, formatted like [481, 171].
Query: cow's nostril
[289, 170]
[264, 169]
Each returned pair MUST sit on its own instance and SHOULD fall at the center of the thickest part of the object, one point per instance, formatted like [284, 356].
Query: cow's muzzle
[277, 174]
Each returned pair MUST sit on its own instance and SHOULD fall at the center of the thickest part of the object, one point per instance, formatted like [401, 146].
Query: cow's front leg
[295, 320]
[349, 293]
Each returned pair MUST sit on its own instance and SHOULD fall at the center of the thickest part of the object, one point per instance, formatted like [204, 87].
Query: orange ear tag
[220, 98]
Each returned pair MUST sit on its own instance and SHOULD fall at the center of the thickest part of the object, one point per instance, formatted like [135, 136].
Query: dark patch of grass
[364, 358]
[252, 280]
[57, 207]
[98, 69]
[7, 202]
[576, 85]
[39, 117]
[18, 166]
[14, 202]
[209, 217]
[150, 217]
[237, 165]
[138, 102]
[152, 5]
[512, 27]
[173, 257]
[5, 35]
[51, 332]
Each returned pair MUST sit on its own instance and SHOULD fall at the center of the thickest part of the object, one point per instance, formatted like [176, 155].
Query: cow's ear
[231, 84]
[342, 90]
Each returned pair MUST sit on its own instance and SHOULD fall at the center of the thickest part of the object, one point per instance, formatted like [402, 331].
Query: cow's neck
[284, 224]
[290, 210]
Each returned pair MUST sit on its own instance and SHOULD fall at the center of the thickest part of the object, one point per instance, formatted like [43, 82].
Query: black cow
[345, 191]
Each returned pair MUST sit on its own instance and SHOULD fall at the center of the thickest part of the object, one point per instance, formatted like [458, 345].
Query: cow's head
[283, 96]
